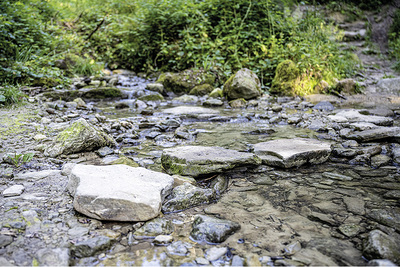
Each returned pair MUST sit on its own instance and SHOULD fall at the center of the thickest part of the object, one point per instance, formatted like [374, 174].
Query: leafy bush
[394, 39]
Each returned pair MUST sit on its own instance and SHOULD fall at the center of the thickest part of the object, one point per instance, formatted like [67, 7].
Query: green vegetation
[19, 159]
[47, 41]
[394, 40]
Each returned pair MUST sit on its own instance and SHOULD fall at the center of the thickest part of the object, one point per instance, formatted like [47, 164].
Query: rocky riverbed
[124, 175]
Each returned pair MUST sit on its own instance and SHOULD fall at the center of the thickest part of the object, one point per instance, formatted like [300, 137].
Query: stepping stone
[183, 110]
[376, 134]
[288, 153]
[201, 160]
[354, 116]
[118, 192]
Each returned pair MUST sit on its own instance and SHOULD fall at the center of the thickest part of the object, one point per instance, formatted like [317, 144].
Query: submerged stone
[201, 160]
[186, 196]
[91, 246]
[53, 257]
[182, 110]
[212, 230]
[80, 136]
[118, 192]
[295, 152]
[155, 227]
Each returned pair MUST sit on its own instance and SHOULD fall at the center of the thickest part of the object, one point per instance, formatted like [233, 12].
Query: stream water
[318, 215]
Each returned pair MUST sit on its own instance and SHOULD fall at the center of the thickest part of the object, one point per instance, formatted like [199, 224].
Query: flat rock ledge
[118, 192]
[201, 160]
[288, 153]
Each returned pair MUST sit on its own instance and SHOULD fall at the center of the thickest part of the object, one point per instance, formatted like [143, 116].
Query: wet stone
[91, 246]
[380, 160]
[118, 192]
[105, 151]
[381, 246]
[289, 153]
[182, 110]
[5, 240]
[163, 239]
[375, 134]
[354, 116]
[389, 218]
[53, 257]
[324, 106]
[214, 253]
[186, 196]
[179, 248]
[201, 160]
[350, 230]
[381, 263]
[212, 230]
[155, 227]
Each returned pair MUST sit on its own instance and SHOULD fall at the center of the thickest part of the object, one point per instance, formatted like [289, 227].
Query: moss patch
[284, 82]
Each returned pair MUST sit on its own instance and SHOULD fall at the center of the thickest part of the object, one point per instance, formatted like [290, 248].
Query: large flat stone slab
[295, 152]
[201, 160]
[184, 110]
[354, 116]
[118, 192]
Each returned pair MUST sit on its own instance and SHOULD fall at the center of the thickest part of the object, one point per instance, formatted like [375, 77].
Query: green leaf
[2, 98]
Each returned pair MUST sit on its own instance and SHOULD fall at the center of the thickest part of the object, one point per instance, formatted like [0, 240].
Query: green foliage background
[219, 36]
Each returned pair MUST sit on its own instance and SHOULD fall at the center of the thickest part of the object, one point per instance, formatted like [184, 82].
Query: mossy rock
[102, 93]
[124, 161]
[152, 97]
[79, 137]
[284, 82]
[243, 84]
[217, 92]
[238, 103]
[183, 82]
[200, 90]
[87, 93]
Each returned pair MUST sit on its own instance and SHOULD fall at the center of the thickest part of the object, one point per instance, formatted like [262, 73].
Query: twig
[97, 27]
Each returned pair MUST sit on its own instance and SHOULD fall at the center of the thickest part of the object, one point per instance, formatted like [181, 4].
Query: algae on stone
[285, 78]
[183, 82]
[203, 89]
[243, 84]
[79, 137]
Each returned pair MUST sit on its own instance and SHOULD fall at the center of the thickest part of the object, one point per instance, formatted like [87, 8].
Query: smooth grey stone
[324, 106]
[199, 160]
[53, 257]
[212, 230]
[214, 253]
[295, 152]
[381, 263]
[183, 110]
[118, 192]
[355, 116]
[5, 240]
[379, 245]
[186, 196]
[375, 134]
[155, 227]
[91, 246]
[14, 190]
